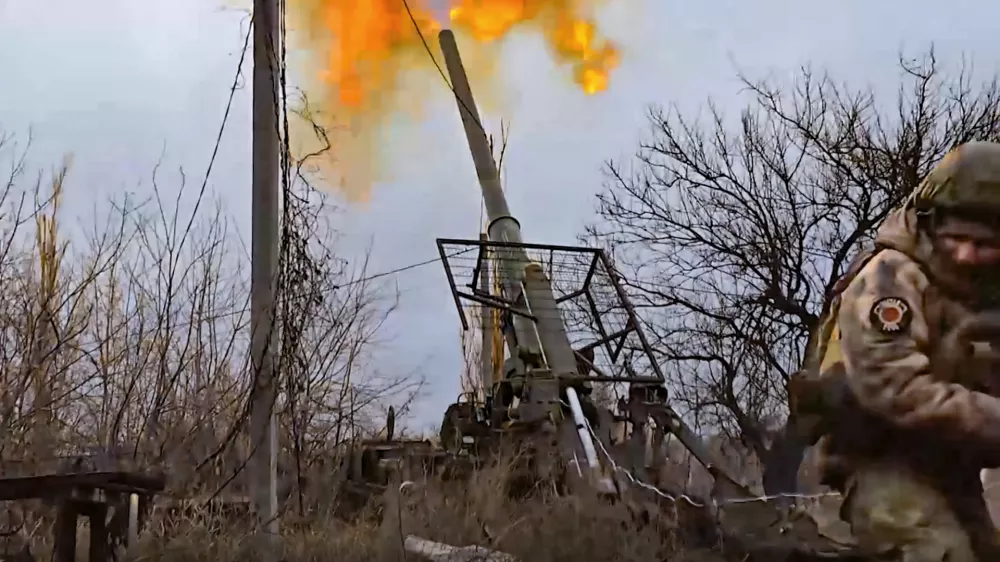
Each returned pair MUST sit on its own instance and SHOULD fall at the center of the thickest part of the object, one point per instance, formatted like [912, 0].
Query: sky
[121, 82]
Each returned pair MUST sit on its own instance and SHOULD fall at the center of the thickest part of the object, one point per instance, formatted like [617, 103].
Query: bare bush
[730, 235]
[127, 342]
[476, 511]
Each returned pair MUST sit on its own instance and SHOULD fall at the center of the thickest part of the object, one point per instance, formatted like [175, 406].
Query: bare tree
[128, 340]
[729, 236]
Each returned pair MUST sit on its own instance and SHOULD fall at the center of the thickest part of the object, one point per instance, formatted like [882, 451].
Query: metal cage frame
[614, 343]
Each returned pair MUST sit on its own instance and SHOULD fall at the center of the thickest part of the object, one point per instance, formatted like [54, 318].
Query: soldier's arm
[884, 337]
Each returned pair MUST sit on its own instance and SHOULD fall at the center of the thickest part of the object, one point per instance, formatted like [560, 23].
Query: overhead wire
[444, 76]
[242, 311]
[404, 268]
[437, 65]
[229, 104]
[222, 129]
[222, 126]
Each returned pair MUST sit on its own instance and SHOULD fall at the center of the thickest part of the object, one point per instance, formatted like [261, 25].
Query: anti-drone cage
[590, 300]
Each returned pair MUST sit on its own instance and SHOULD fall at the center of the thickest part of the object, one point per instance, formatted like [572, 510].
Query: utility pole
[262, 464]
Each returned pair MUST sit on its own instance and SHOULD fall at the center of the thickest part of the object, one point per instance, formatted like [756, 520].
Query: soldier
[912, 457]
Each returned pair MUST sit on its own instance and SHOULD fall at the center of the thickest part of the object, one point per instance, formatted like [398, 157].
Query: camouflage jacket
[892, 319]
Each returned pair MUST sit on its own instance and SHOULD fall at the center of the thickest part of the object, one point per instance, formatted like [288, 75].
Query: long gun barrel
[524, 282]
[538, 333]
[502, 225]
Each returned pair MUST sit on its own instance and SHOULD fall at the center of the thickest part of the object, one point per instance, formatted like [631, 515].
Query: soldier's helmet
[967, 180]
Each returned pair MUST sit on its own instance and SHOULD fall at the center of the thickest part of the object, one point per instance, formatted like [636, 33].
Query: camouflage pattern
[923, 433]
[895, 515]
[891, 374]
[967, 177]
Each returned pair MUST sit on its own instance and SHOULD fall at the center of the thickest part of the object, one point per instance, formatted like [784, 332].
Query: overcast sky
[119, 81]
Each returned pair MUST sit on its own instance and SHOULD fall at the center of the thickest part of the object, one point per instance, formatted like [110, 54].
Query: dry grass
[474, 512]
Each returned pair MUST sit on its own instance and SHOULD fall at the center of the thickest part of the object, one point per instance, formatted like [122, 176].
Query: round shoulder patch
[890, 315]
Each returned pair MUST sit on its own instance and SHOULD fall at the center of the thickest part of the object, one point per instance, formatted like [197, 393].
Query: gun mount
[581, 298]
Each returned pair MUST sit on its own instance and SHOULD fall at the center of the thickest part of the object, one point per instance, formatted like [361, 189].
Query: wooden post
[97, 514]
[65, 531]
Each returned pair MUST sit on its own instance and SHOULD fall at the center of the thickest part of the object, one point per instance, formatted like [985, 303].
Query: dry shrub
[473, 511]
[124, 340]
[210, 539]
[541, 528]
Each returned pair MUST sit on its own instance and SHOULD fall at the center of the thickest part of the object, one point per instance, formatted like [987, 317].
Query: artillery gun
[558, 331]
[557, 325]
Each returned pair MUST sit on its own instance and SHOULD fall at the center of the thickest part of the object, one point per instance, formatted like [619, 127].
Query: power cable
[447, 82]
[222, 126]
[215, 149]
[399, 270]
[229, 104]
[444, 76]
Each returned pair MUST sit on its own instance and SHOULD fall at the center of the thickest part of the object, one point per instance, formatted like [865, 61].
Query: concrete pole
[262, 464]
